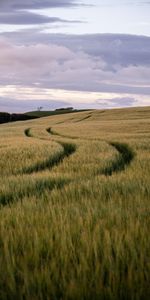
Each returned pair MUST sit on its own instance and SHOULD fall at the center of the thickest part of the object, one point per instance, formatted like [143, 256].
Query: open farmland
[74, 214]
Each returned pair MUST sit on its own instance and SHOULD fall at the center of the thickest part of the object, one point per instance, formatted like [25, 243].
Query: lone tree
[39, 108]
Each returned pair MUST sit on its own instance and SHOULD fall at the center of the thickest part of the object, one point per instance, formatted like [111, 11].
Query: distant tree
[39, 108]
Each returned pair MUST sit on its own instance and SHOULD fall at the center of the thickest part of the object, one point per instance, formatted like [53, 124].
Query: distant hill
[60, 111]
[6, 117]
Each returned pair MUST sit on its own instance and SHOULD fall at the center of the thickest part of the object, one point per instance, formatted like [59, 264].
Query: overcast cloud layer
[36, 4]
[18, 12]
[104, 63]
[100, 63]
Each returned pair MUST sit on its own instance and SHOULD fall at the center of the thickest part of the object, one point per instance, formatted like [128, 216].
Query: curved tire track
[56, 159]
[30, 189]
[126, 155]
[27, 132]
[38, 187]
[52, 132]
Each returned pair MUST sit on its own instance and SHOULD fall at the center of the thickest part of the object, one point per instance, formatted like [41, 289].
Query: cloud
[17, 12]
[35, 4]
[21, 99]
[102, 63]
[116, 102]
[13, 106]
[115, 49]
[28, 18]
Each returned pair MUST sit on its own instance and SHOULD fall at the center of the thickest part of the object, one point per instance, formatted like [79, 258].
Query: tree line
[6, 117]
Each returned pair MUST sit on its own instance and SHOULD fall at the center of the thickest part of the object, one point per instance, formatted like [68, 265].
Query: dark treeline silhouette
[64, 108]
[6, 117]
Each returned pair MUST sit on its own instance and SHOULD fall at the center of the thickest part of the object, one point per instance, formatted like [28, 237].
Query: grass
[69, 230]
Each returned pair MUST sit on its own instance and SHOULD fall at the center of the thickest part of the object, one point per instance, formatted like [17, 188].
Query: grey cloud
[26, 18]
[116, 102]
[13, 106]
[109, 3]
[98, 63]
[35, 4]
[17, 12]
[114, 49]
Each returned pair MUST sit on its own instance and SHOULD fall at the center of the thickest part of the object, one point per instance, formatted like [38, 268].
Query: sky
[80, 53]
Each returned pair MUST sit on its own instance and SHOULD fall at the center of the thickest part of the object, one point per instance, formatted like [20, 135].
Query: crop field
[74, 206]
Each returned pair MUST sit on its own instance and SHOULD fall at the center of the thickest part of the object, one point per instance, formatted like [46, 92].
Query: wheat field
[74, 206]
